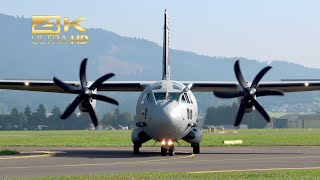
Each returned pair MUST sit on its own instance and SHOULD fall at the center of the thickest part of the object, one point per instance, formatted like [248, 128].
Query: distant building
[309, 120]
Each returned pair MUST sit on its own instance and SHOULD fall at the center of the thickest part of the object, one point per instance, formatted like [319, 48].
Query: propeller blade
[82, 73]
[227, 94]
[71, 108]
[99, 81]
[64, 86]
[239, 76]
[241, 112]
[105, 99]
[269, 93]
[259, 76]
[92, 115]
[261, 110]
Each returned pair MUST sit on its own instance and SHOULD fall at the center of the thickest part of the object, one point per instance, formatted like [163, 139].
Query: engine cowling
[139, 136]
[83, 106]
[249, 107]
[194, 136]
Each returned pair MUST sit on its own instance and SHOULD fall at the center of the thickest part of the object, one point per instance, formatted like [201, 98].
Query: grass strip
[122, 138]
[259, 175]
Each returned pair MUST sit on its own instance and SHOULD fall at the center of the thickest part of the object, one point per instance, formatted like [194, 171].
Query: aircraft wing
[210, 86]
[49, 86]
[292, 86]
[197, 86]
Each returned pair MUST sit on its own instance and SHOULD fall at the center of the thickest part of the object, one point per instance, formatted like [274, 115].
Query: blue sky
[265, 30]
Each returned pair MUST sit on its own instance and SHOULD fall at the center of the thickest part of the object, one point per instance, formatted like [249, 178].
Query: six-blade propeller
[249, 94]
[85, 93]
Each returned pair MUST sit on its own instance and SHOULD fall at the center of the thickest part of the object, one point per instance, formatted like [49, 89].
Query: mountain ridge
[129, 58]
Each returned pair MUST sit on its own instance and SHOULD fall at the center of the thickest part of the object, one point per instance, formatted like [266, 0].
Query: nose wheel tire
[163, 151]
[196, 148]
[172, 150]
[136, 148]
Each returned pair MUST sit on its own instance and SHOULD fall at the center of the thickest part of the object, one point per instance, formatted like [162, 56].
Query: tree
[54, 121]
[117, 118]
[125, 119]
[108, 119]
[28, 114]
[83, 121]
[23, 120]
[226, 115]
[5, 121]
[71, 122]
[14, 119]
[40, 116]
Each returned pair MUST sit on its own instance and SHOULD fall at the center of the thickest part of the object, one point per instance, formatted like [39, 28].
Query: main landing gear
[167, 147]
[136, 148]
[196, 148]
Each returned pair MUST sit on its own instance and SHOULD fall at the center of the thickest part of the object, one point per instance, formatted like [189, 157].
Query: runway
[58, 161]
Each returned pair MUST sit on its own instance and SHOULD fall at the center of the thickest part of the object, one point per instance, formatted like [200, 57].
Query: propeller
[249, 94]
[85, 93]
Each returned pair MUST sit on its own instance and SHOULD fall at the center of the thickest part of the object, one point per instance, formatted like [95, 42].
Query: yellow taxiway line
[101, 164]
[44, 154]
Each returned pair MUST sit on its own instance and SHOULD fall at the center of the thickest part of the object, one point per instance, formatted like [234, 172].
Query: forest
[40, 119]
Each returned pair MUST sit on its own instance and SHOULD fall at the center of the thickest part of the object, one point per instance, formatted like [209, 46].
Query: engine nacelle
[83, 107]
[138, 136]
[194, 136]
[249, 108]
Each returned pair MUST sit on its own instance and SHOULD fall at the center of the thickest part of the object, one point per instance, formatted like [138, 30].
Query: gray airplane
[167, 110]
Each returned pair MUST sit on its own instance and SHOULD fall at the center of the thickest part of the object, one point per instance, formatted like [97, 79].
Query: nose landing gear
[172, 150]
[167, 147]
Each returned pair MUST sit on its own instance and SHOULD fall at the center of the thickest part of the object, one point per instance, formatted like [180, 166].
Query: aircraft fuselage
[166, 111]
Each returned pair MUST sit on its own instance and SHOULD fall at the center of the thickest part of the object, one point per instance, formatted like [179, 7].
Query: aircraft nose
[167, 118]
[168, 111]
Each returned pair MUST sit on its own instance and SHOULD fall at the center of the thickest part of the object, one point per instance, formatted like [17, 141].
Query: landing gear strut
[163, 150]
[196, 148]
[136, 148]
[170, 149]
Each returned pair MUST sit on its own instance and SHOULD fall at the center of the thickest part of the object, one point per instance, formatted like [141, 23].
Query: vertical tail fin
[165, 63]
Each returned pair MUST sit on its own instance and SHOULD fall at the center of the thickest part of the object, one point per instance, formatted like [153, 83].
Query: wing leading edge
[138, 86]
[49, 86]
[293, 86]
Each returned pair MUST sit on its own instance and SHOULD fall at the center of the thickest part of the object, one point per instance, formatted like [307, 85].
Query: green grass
[8, 152]
[250, 137]
[283, 174]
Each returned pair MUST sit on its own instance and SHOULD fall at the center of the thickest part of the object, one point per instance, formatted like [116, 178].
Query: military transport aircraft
[167, 110]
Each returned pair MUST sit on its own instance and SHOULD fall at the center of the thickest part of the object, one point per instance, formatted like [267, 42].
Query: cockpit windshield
[159, 96]
[173, 96]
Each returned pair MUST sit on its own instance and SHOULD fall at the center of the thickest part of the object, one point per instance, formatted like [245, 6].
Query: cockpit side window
[183, 98]
[190, 98]
[187, 98]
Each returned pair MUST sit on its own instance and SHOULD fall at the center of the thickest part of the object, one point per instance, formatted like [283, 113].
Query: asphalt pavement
[64, 161]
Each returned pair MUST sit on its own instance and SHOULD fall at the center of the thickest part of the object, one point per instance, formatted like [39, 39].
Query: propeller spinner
[85, 93]
[249, 94]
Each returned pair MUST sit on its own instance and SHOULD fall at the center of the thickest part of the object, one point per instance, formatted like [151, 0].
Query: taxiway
[58, 161]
